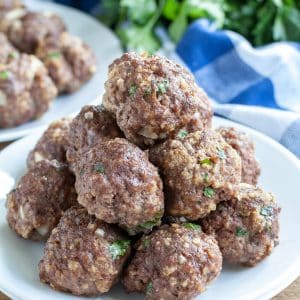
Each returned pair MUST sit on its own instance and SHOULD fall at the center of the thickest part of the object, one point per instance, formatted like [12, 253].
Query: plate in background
[106, 47]
[280, 174]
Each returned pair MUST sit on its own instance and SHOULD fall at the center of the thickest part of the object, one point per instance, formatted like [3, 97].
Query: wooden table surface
[290, 293]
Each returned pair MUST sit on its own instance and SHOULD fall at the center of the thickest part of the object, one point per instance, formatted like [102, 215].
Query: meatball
[25, 29]
[7, 51]
[173, 262]
[198, 171]
[247, 227]
[242, 143]
[154, 99]
[92, 125]
[116, 182]
[83, 255]
[26, 90]
[70, 62]
[53, 143]
[37, 203]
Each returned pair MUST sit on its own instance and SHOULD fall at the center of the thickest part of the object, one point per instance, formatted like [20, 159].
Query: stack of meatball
[143, 189]
[38, 60]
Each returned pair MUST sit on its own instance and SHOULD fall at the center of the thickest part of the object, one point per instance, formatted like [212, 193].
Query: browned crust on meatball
[26, 29]
[173, 262]
[154, 98]
[247, 227]
[78, 256]
[26, 90]
[242, 143]
[37, 203]
[116, 182]
[53, 143]
[70, 61]
[198, 171]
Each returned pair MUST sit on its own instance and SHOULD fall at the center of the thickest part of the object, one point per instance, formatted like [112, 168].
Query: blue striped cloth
[256, 87]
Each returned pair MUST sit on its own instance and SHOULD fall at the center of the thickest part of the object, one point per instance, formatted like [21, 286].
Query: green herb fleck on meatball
[118, 248]
[208, 192]
[239, 232]
[266, 211]
[163, 86]
[192, 226]
[100, 168]
[132, 90]
[206, 161]
[182, 133]
[149, 288]
[54, 55]
[4, 74]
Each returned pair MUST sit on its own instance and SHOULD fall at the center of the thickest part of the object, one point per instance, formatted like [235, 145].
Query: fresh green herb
[81, 172]
[149, 288]
[192, 226]
[221, 153]
[147, 92]
[240, 232]
[146, 242]
[205, 177]
[100, 168]
[208, 192]
[4, 74]
[182, 133]
[206, 161]
[54, 55]
[132, 90]
[150, 224]
[163, 86]
[118, 248]
[266, 211]
[12, 55]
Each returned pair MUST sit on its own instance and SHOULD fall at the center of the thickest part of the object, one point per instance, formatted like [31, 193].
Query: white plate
[106, 47]
[280, 174]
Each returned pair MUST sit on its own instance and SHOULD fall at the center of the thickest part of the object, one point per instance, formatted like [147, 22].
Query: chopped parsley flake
[100, 168]
[221, 153]
[4, 74]
[146, 242]
[149, 288]
[192, 226]
[206, 161]
[182, 133]
[132, 90]
[150, 224]
[205, 177]
[118, 248]
[147, 92]
[12, 55]
[54, 55]
[163, 86]
[266, 211]
[240, 232]
[208, 192]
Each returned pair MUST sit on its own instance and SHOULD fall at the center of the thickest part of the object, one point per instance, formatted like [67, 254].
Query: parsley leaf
[208, 192]
[54, 55]
[266, 211]
[100, 168]
[132, 90]
[206, 161]
[163, 86]
[182, 133]
[150, 224]
[149, 288]
[240, 232]
[4, 74]
[118, 248]
[192, 226]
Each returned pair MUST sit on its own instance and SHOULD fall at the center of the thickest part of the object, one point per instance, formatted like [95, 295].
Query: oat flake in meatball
[242, 143]
[116, 182]
[41, 196]
[154, 98]
[70, 62]
[26, 90]
[173, 262]
[198, 171]
[247, 227]
[26, 29]
[53, 143]
[83, 255]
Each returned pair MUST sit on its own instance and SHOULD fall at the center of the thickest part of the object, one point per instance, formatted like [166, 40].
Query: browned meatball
[247, 227]
[70, 62]
[92, 125]
[83, 255]
[53, 143]
[25, 29]
[42, 194]
[116, 182]
[242, 143]
[154, 98]
[26, 90]
[198, 171]
[173, 262]
[7, 51]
